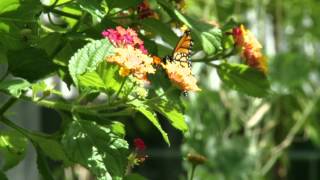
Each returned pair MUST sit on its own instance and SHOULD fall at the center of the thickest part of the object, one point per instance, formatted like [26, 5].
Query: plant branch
[12, 125]
[120, 89]
[7, 105]
[61, 13]
[193, 168]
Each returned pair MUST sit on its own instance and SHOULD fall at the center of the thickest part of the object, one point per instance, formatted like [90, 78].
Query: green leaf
[244, 79]
[88, 58]
[12, 147]
[118, 128]
[91, 80]
[105, 78]
[152, 117]
[51, 147]
[123, 4]
[30, 63]
[96, 148]
[169, 103]
[3, 175]
[110, 75]
[15, 87]
[205, 34]
[16, 10]
[9, 5]
[93, 7]
[172, 111]
[50, 42]
[134, 176]
[11, 36]
[42, 165]
[158, 27]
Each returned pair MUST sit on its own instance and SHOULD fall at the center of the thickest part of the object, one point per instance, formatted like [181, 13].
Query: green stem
[193, 168]
[61, 13]
[120, 89]
[107, 106]
[61, 106]
[126, 112]
[12, 125]
[7, 105]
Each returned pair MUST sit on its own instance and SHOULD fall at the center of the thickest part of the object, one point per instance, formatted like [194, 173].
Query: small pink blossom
[121, 37]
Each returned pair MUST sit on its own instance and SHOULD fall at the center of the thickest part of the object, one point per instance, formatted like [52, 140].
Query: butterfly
[181, 54]
[182, 51]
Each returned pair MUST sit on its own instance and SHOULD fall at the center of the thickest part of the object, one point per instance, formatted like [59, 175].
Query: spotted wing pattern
[182, 51]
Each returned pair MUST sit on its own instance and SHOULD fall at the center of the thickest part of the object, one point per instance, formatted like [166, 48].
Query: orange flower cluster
[132, 61]
[250, 48]
[181, 76]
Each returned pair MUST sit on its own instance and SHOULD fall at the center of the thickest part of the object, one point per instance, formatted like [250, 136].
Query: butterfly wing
[182, 51]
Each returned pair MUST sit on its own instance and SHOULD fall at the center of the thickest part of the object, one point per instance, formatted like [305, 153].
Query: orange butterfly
[182, 51]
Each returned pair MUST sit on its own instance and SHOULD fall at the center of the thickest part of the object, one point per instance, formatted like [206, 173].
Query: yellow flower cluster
[132, 61]
[250, 48]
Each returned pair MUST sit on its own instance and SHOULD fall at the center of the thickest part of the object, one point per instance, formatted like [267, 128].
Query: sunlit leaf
[96, 148]
[152, 117]
[172, 111]
[88, 58]
[16, 10]
[12, 148]
[15, 87]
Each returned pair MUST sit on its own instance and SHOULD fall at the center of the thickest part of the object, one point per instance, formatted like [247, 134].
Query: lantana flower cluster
[130, 53]
[181, 76]
[250, 48]
[131, 56]
[121, 37]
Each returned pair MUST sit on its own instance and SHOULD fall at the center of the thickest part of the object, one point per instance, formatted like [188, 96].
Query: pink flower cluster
[121, 37]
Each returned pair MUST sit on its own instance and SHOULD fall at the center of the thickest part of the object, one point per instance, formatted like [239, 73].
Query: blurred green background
[249, 138]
